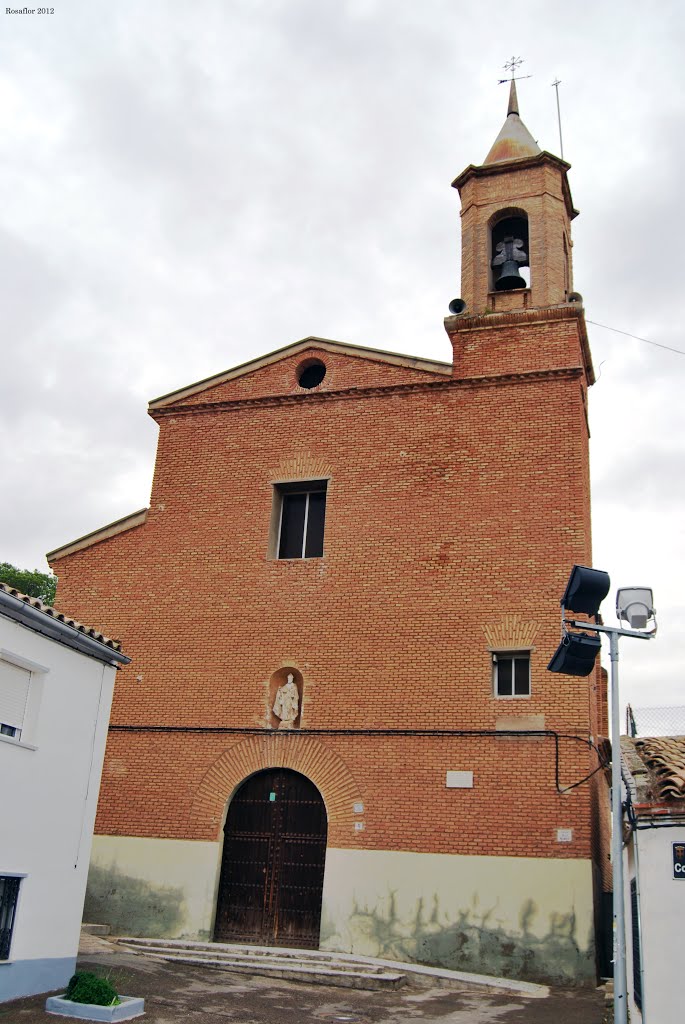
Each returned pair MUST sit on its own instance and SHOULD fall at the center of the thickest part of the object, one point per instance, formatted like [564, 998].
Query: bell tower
[516, 262]
[516, 224]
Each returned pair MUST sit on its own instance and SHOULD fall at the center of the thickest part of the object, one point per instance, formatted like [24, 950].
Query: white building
[56, 684]
[654, 860]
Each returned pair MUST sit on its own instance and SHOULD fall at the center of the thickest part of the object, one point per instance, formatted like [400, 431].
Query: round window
[311, 373]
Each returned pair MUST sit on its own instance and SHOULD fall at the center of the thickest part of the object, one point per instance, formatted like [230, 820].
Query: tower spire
[513, 107]
[514, 140]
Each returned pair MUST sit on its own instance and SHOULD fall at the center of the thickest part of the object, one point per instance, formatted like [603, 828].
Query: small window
[301, 520]
[511, 674]
[311, 373]
[9, 891]
[14, 694]
[21, 690]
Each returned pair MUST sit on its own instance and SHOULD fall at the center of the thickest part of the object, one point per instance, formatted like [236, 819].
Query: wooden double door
[273, 862]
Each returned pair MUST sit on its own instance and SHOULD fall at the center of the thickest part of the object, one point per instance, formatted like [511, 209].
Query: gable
[276, 374]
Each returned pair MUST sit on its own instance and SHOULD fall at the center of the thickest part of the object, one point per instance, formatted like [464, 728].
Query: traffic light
[585, 591]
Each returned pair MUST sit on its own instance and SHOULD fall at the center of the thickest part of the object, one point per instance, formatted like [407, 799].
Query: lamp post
[585, 591]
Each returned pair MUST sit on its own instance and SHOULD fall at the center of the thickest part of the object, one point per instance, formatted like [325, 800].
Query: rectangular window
[511, 673]
[301, 519]
[14, 693]
[21, 690]
[9, 891]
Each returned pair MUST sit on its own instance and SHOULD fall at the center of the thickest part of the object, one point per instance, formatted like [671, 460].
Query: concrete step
[312, 966]
[96, 929]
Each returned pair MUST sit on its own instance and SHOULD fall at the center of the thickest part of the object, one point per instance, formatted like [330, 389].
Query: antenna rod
[556, 83]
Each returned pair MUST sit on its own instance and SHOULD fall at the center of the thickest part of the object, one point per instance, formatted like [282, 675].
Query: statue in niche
[287, 703]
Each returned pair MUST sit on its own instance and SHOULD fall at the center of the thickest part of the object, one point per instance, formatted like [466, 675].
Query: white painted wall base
[153, 887]
[521, 917]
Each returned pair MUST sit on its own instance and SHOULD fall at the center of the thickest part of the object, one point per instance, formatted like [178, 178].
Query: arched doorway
[273, 862]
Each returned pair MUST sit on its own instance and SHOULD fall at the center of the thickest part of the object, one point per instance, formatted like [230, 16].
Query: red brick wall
[449, 508]
[157, 785]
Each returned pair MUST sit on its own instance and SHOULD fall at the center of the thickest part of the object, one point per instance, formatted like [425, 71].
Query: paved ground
[200, 996]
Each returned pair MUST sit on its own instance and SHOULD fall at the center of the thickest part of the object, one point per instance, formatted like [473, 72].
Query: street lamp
[635, 605]
[575, 656]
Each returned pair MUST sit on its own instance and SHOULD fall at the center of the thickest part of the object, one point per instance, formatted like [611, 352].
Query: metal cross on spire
[512, 65]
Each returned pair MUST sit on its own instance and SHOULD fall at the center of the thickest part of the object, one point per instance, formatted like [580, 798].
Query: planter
[129, 1007]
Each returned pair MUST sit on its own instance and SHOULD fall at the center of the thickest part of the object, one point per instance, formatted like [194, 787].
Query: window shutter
[14, 691]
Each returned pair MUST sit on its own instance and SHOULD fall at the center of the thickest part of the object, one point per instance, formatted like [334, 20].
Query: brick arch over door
[303, 754]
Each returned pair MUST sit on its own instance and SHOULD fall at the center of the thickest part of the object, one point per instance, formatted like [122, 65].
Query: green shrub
[85, 987]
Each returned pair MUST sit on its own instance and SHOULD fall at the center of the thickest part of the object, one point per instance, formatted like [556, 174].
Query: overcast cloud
[187, 186]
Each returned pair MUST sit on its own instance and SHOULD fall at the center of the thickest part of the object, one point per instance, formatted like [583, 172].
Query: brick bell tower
[516, 266]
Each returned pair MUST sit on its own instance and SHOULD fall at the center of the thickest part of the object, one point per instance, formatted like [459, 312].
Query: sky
[186, 186]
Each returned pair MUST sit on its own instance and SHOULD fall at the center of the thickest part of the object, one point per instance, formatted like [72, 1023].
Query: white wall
[51, 778]
[662, 913]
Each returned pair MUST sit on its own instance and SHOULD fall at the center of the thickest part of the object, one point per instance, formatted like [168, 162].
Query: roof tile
[53, 613]
[665, 756]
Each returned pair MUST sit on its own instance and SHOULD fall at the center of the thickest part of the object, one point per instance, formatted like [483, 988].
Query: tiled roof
[664, 756]
[52, 613]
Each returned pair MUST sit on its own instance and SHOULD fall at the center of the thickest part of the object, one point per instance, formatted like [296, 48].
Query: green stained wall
[158, 888]
[518, 917]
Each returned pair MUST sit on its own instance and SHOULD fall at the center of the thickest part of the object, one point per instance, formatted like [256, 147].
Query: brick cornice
[520, 164]
[369, 392]
[512, 318]
[540, 316]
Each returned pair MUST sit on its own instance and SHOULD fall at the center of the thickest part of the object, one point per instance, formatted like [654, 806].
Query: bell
[509, 255]
[510, 277]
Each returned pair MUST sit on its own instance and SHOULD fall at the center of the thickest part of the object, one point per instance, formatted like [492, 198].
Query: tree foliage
[34, 583]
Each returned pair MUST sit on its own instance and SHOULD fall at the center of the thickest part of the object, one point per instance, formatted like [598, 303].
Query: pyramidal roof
[514, 140]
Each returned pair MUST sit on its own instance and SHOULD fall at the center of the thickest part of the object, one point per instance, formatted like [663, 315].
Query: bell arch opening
[272, 866]
[509, 250]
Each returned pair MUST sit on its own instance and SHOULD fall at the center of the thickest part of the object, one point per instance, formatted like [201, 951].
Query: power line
[627, 334]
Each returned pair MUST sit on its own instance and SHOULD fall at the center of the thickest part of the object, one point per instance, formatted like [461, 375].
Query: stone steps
[95, 929]
[311, 966]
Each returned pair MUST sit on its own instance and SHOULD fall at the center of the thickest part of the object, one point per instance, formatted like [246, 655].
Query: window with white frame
[301, 509]
[511, 673]
[14, 695]
[21, 688]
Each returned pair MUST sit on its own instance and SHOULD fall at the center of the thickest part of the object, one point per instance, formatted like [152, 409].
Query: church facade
[337, 729]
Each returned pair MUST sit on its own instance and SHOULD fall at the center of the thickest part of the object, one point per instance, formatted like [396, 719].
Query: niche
[284, 709]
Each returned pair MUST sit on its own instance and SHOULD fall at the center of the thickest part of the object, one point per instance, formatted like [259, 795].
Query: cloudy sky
[185, 186]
